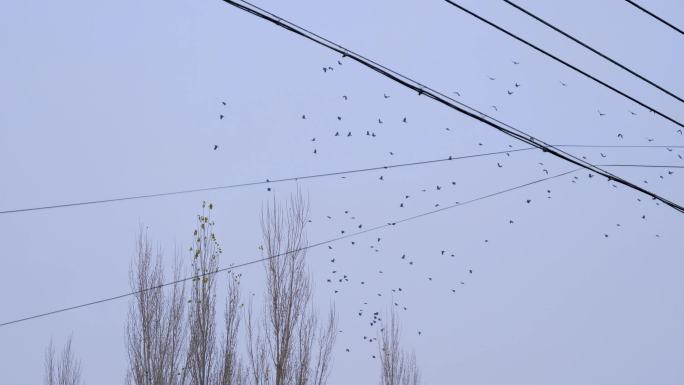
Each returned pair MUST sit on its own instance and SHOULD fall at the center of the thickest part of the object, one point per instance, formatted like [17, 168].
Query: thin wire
[267, 181]
[616, 146]
[642, 165]
[443, 99]
[615, 62]
[565, 63]
[304, 177]
[255, 261]
[653, 15]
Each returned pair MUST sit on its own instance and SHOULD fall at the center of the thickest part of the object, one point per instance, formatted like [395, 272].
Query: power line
[262, 182]
[441, 98]
[642, 165]
[313, 176]
[252, 262]
[616, 146]
[539, 19]
[653, 15]
[565, 63]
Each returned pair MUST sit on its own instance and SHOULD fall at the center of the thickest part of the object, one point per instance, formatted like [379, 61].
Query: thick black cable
[447, 101]
[597, 52]
[565, 63]
[263, 182]
[653, 15]
[252, 262]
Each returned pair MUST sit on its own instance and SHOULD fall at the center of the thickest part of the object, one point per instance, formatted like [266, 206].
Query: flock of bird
[338, 279]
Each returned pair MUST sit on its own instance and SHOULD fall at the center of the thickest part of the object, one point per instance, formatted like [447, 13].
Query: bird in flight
[456, 93]
[509, 92]
[601, 113]
[491, 78]
[221, 117]
[386, 96]
[404, 120]
[215, 147]
[303, 116]
[224, 103]
[517, 85]
[495, 108]
[515, 62]
[563, 84]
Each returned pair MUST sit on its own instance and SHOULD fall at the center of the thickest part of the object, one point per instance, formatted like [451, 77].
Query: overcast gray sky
[108, 99]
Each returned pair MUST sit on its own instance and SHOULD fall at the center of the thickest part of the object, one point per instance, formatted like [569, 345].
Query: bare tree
[156, 329]
[288, 347]
[202, 349]
[67, 371]
[230, 370]
[397, 366]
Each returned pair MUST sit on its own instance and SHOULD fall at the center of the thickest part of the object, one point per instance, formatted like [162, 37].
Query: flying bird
[215, 147]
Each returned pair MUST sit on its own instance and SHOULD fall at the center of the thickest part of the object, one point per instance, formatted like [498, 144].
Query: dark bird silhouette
[601, 113]
[620, 136]
[221, 117]
[515, 62]
[379, 121]
[404, 120]
[679, 131]
[349, 134]
[499, 164]
[325, 69]
[516, 85]
[224, 103]
[509, 92]
[303, 116]
[339, 118]
[563, 84]
[337, 133]
[491, 78]
[386, 96]
[603, 155]
[456, 93]
[632, 112]
[339, 62]
[315, 152]
[215, 147]
[495, 108]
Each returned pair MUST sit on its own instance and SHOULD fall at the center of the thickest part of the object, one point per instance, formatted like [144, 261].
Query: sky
[110, 99]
